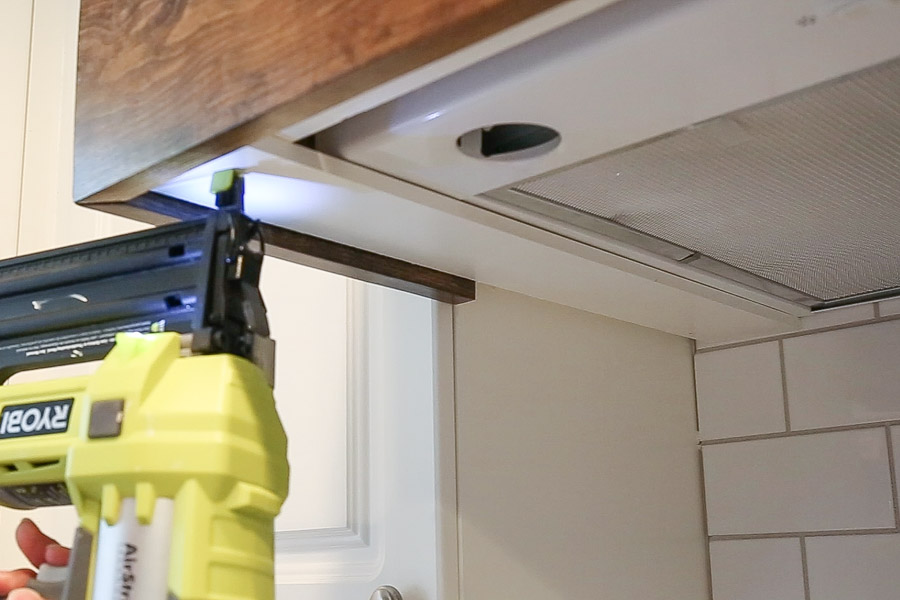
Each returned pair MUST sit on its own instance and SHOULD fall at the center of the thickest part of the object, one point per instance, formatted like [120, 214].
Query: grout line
[794, 534]
[798, 432]
[694, 386]
[892, 467]
[703, 510]
[705, 522]
[786, 336]
[877, 308]
[784, 392]
[805, 565]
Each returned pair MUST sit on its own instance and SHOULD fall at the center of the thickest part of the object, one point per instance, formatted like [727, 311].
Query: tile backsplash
[855, 566]
[823, 482]
[763, 569]
[843, 377]
[800, 440]
[741, 391]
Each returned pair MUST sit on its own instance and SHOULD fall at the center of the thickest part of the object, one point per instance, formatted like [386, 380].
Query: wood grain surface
[166, 85]
[313, 251]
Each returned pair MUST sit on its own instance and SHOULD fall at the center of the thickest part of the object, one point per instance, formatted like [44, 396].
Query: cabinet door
[372, 498]
[15, 44]
[38, 46]
[369, 417]
[49, 218]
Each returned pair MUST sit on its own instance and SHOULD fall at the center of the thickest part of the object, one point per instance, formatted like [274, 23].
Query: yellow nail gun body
[172, 451]
[185, 454]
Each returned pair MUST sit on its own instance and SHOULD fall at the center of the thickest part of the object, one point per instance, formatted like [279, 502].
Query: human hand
[39, 549]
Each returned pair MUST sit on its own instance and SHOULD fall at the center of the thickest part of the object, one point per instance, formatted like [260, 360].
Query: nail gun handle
[69, 582]
[50, 582]
[133, 557]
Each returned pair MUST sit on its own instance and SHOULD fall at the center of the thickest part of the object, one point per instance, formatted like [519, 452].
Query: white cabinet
[364, 390]
[49, 218]
[34, 31]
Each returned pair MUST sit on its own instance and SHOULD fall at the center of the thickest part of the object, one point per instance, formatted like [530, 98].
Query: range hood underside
[754, 152]
[799, 197]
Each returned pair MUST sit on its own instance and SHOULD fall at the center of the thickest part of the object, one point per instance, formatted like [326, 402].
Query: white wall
[578, 473]
[799, 441]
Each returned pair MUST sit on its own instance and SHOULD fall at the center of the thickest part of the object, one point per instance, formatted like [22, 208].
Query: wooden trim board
[313, 251]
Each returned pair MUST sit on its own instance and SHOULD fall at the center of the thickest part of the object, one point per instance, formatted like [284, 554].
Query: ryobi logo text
[38, 418]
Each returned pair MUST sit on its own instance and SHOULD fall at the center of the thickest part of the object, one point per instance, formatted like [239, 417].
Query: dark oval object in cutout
[509, 141]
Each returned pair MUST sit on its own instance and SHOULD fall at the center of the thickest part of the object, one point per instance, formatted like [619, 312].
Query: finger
[10, 580]
[56, 555]
[24, 594]
[33, 542]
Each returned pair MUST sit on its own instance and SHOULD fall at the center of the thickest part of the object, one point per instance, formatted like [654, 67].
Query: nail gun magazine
[171, 451]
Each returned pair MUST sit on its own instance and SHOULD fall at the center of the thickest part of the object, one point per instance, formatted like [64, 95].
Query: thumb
[24, 594]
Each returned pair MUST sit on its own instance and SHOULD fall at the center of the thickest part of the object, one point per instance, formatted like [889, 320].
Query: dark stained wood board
[313, 251]
[166, 86]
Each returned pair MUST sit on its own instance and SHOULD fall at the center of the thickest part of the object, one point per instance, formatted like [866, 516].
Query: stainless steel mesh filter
[803, 191]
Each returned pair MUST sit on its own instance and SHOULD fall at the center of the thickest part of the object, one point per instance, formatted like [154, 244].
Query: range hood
[755, 145]
[799, 197]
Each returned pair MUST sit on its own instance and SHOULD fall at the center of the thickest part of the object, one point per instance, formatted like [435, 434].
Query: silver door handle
[386, 592]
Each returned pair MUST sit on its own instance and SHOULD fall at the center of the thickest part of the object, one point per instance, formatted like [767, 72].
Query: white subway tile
[889, 307]
[838, 316]
[756, 569]
[739, 391]
[843, 377]
[864, 567]
[816, 482]
[895, 442]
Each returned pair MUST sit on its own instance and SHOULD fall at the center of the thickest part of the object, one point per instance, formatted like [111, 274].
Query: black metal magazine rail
[199, 278]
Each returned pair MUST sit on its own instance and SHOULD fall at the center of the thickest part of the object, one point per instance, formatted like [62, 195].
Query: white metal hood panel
[630, 72]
